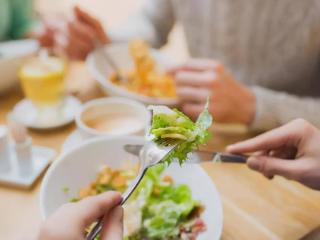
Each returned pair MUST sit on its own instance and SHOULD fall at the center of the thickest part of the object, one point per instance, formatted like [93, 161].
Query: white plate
[25, 113]
[79, 166]
[18, 48]
[120, 54]
[13, 55]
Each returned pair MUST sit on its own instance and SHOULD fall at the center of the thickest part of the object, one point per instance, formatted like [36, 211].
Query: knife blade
[198, 156]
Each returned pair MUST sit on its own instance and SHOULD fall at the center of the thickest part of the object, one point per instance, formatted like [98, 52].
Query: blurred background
[112, 13]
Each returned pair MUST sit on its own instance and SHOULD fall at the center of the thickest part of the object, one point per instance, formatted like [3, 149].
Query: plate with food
[168, 203]
[172, 204]
[144, 70]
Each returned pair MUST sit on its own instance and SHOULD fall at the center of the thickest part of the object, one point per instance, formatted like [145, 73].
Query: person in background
[17, 22]
[291, 151]
[71, 220]
[258, 60]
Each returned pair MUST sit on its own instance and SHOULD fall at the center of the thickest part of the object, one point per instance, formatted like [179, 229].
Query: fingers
[270, 166]
[206, 79]
[193, 95]
[287, 135]
[193, 110]
[82, 31]
[113, 225]
[92, 208]
[87, 19]
[199, 65]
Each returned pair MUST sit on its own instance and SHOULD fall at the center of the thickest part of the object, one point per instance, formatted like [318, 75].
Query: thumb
[270, 166]
[113, 225]
[92, 208]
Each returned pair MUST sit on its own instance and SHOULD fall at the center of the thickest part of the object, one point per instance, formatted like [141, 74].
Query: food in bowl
[158, 209]
[145, 78]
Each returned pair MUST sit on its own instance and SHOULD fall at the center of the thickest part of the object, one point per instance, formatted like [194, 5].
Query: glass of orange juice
[42, 80]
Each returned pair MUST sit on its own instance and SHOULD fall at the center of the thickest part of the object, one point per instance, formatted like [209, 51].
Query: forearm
[277, 108]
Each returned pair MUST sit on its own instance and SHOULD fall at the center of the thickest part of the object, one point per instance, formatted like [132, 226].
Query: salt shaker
[4, 149]
[22, 147]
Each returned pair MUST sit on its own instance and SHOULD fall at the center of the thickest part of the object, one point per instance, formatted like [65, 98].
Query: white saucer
[14, 176]
[25, 113]
[74, 140]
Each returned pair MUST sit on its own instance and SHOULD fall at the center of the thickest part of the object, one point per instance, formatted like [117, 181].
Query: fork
[150, 155]
[106, 57]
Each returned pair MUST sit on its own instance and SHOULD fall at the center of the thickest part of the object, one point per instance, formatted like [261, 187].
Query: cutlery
[106, 57]
[150, 154]
[199, 156]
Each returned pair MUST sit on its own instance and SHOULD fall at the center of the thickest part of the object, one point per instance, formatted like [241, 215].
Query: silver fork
[150, 155]
[106, 57]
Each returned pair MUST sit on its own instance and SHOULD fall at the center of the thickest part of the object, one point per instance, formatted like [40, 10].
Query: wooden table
[254, 208]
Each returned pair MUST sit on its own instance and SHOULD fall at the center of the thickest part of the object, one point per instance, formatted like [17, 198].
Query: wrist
[249, 107]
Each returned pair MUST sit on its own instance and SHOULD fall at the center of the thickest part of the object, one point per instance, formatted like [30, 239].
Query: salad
[159, 209]
[172, 124]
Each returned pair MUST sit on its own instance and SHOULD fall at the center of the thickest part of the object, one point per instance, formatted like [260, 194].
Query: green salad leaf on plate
[172, 124]
[165, 207]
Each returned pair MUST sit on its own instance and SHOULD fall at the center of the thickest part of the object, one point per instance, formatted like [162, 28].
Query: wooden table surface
[254, 207]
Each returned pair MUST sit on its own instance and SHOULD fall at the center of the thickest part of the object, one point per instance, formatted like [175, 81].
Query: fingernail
[229, 148]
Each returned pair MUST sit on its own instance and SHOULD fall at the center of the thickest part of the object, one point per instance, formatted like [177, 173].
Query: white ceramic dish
[79, 166]
[113, 106]
[120, 53]
[12, 55]
[25, 113]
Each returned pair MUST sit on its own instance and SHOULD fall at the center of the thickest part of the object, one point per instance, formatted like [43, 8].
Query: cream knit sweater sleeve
[277, 108]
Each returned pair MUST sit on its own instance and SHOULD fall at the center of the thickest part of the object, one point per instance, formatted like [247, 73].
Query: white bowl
[79, 166]
[12, 56]
[113, 105]
[120, 54]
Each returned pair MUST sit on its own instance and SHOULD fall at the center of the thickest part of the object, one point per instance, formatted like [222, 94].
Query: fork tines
[167, 141]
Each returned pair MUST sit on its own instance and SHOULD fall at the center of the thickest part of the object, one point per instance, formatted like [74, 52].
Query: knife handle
[231, 158]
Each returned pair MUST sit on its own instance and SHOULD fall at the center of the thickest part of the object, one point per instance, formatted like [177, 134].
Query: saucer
[27, 114]
[14, 177]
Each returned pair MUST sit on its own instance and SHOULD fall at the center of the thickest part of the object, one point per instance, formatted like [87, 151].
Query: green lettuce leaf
[163, 210]
[173, 124]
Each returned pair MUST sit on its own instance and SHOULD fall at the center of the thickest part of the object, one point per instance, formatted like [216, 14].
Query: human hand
[291, 151]
[78, 38]
[70, 221]
[230, 101]
[46, 31]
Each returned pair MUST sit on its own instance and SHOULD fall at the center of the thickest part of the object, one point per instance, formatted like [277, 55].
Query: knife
[198, 156]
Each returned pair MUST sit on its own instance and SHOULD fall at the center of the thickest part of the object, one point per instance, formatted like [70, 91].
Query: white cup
[120, 116]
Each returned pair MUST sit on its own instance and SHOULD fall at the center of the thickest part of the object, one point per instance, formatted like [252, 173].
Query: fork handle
[133, 186]
[98, 227]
